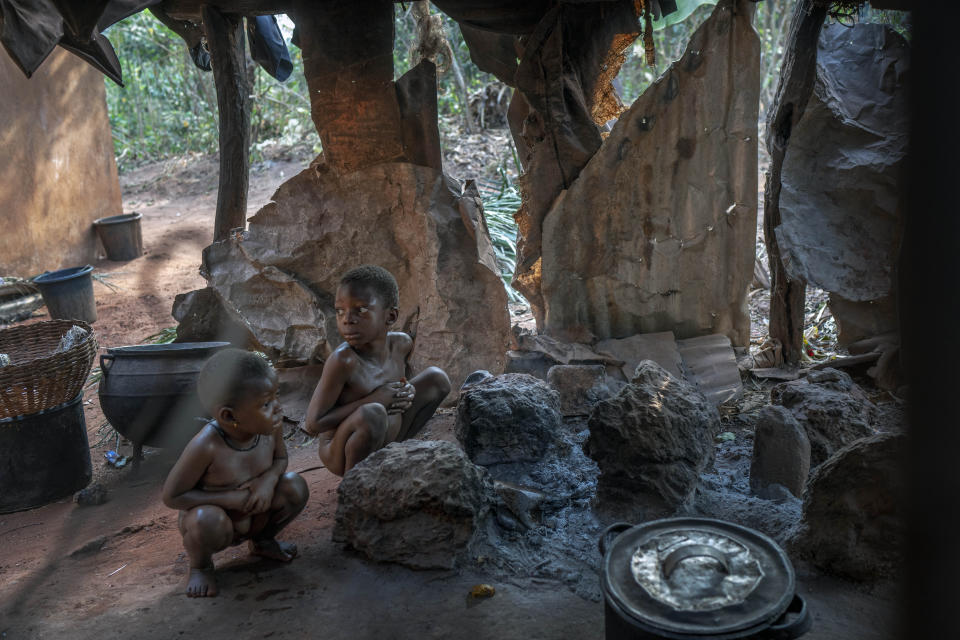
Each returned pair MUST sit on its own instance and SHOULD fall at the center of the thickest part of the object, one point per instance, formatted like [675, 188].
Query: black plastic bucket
[120, 236]
[68, 293]
[44, 456]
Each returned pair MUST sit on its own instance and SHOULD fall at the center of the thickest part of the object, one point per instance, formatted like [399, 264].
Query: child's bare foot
[274, 549]
[201, 583]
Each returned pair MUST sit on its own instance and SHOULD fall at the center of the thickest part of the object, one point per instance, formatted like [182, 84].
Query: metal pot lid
[698, 576]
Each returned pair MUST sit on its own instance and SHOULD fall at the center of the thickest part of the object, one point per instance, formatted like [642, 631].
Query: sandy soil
[116, 570]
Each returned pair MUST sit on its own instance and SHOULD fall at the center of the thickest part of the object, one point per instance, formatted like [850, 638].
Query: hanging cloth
[267, 46]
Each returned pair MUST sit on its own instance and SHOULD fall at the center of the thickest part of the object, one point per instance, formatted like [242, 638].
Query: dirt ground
[116, 570]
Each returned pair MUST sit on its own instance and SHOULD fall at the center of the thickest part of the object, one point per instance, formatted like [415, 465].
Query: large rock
[654, 438]
[853, 510]
[830, 407]
[781, 452]
[416, 502]
[841, 203]
[672, 201]
[506, 419]
[203, 316]
[281, 276]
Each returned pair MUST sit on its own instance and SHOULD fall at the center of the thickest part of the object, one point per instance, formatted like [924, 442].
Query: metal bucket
[44, 456]
[698, 579]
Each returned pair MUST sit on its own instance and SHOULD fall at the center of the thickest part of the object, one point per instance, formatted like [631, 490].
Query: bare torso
[231, 468]
[366, 375]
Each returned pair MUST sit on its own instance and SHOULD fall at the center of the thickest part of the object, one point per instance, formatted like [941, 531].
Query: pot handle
[794, 622]
[616, 528]
[104, 359]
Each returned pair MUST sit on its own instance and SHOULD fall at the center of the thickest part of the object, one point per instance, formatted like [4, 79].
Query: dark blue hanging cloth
[267, 47]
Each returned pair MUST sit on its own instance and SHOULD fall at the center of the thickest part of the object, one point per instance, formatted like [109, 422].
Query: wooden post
[797, 74]
[228, 59]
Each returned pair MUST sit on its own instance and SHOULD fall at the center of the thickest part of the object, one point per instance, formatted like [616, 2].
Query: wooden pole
[228, 59]
[797, 74]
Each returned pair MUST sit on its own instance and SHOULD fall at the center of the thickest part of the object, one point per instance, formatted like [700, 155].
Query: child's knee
[374, 416]
[373, 412]
[438, 381]
[210, 524]
[293, 489]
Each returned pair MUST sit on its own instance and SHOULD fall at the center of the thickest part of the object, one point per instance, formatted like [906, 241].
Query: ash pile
[543, 465]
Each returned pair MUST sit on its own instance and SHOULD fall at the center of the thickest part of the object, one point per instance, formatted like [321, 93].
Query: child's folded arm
[180, 489]
[231, 500]
[323, 413]
[314, 424]
[262, 486]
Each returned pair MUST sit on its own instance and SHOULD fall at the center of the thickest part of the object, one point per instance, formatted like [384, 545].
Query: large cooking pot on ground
[697, 579]
[148, 393]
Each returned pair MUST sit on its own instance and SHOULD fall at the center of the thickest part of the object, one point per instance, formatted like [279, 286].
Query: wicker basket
[37, 378]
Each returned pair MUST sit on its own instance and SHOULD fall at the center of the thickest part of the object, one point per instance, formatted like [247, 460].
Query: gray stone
[95, 494]
[203, 316]
[661, 347]
[653, 439]
[710, 363]
[668, 244]
[565, 352]
[781, 452]
[417, 503]
[529, 362]
[509, 418]
[475, 377]
[853, 510]
[842, 203]
[296, 387]
[282, 274]
[581, 387]
[830, 407]
[524, 503]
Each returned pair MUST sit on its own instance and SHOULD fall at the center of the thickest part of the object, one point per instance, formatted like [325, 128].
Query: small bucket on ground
[120, 236]
[68, 293]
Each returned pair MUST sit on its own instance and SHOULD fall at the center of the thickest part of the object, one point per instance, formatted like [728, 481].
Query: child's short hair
[377, 278]
[227, 376]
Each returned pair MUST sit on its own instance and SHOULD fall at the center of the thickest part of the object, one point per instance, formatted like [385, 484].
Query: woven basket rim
[39, 326]
[36, 384]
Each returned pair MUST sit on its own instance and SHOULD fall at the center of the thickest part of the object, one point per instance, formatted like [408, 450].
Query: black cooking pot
[149, 392]
[697, 579]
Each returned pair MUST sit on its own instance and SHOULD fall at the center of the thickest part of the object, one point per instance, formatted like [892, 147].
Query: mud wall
[57, 169]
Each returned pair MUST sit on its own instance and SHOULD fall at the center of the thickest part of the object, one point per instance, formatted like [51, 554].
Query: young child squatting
[231, 482]
[363, 400]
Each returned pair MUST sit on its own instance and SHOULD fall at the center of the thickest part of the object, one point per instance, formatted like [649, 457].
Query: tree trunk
[227, 57]
[796, 84]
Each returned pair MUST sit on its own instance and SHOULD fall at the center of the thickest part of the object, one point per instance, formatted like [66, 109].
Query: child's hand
[386, 394]
[260, 494]
[235, 500]
[403, 397]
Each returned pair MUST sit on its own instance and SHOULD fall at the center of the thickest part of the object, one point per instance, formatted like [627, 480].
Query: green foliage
[499, 209]
[168, 106]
